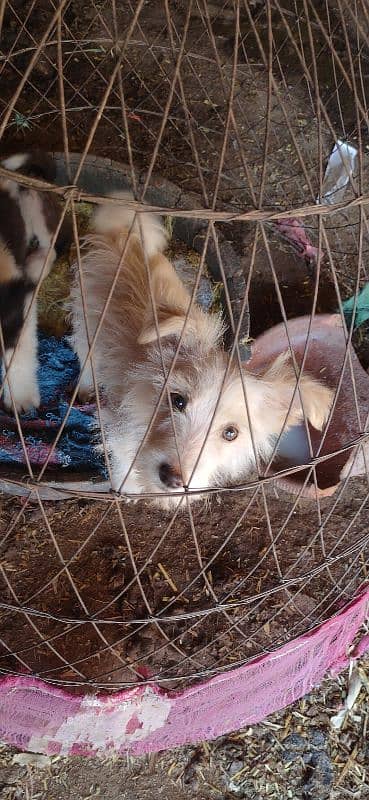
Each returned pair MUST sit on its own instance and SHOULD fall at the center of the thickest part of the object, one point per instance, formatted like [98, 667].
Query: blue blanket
[76, 448]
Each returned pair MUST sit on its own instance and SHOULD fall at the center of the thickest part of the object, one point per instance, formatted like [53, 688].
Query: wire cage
[245, 125]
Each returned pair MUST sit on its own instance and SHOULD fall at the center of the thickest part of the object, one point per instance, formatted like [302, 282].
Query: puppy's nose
[170, 476]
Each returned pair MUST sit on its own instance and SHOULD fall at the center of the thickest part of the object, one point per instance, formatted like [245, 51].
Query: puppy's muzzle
[170, 476]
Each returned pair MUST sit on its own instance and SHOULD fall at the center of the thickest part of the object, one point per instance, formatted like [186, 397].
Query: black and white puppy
[28, 220]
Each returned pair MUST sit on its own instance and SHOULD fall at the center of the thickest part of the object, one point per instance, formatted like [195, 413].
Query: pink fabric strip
[41, 718]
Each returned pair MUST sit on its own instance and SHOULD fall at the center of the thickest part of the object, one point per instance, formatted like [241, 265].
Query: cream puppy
[193, 425]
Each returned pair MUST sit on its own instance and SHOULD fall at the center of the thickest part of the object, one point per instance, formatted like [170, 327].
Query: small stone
[295, 742]
[288, 756]
[317, 738]
[244, 789]
[319, 777]
[312, 712]
[31, 760]
[235, 767]
[323, 767]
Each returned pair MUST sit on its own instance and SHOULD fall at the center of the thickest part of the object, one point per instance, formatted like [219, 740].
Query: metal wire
[238, 105]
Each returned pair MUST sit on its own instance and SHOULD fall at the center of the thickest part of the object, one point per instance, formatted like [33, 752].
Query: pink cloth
[294, 232]
[41, 718]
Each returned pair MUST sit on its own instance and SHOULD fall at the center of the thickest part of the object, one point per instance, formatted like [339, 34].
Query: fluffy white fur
[134, 350]
[21, 386]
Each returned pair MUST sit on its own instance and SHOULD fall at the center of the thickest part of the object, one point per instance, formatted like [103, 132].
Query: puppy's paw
[130, 501]
[25, 398]
[85, 389]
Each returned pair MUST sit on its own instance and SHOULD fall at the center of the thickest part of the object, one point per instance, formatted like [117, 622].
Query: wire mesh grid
[238, 105]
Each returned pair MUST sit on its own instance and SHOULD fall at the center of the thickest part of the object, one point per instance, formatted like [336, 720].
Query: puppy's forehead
[232, 402]
[200, 374]
[210, 391]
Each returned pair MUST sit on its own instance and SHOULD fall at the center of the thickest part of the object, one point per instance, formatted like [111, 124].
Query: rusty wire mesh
[238, 105]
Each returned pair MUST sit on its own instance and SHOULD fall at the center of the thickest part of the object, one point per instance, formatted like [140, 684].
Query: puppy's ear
[313, 399]
[317, 401]
[171, 301]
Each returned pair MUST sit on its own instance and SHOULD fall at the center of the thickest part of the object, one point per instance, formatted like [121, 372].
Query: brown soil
[231, 538]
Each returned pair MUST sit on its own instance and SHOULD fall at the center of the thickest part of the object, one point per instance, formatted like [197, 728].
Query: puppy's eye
[230, 433]
[178, 401]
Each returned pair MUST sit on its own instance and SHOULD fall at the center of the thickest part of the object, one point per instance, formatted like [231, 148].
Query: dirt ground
[273, 568]
[294, 755]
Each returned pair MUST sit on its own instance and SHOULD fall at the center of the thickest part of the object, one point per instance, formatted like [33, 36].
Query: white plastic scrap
[31, 760]
[354, 687]
[339, 172]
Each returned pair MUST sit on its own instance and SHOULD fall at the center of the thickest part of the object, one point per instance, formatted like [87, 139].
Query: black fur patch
[12, 301]
[12, 227]
[39, 164]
